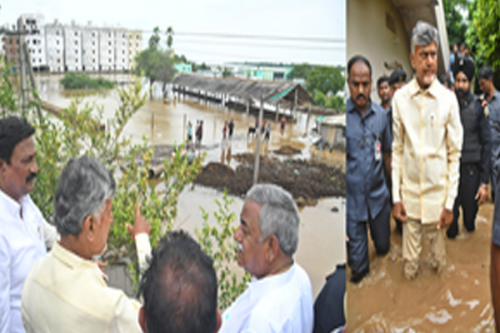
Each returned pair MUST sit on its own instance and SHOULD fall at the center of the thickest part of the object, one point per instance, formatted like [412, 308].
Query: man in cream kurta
[425, 154]
[66, 291]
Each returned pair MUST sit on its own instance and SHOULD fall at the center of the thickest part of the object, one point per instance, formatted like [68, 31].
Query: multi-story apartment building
[121, 50]
[106, 49]
[54, 41]
[72, 48]
[90, 48]
[11, 48]
[35, 40]
[134, 47]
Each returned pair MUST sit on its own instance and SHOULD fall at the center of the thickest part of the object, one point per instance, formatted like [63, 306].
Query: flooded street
[322, 235]
[457, 301]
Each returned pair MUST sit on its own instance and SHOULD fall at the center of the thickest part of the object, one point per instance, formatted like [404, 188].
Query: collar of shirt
[74, 261]
[259, 287]
[416, 90]
[12, 207]
[351, 107]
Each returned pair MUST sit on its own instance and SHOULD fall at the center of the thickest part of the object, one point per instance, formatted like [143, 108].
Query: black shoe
[356, 278]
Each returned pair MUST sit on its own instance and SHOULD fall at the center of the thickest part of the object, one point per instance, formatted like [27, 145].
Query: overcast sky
[306, 21]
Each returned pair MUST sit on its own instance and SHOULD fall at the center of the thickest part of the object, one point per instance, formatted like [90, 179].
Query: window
[94, 61]
[57, 42]
[137, 44]
[93, 51]
[57, 33]
[110, 34]
[123, 35]
[76, 42]
[110, 60]
[93, 34]
[40, 51]
[109, 51]
[76, 33]
[109, 43]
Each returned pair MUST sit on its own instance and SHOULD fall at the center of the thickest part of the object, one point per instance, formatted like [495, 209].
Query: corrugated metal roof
[246, 89]
[335, 120]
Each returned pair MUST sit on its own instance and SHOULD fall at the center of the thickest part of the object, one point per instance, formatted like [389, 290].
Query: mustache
[361, 95]
[31, 177]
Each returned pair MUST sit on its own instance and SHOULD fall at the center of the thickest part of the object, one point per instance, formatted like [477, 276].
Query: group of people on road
[426, 151]
[198, 132]
[50, 280]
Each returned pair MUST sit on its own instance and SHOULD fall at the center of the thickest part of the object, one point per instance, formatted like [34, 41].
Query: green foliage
[320, 98]
[83, 81]
[456, 24]
[336, 103]
[8, 99]
[218, 242]
[299, 72]
[202, 67]
[170, 37]
[154, 40]
[226, 72]
[155, 64]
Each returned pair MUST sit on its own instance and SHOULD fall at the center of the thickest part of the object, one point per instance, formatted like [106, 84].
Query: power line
[245, 36]
[286, 46]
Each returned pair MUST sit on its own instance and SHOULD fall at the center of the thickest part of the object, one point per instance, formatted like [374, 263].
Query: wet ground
[321, 244]
[458, 300]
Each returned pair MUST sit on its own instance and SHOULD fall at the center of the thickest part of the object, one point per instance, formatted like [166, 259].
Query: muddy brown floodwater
[322, 229]
[456, 301]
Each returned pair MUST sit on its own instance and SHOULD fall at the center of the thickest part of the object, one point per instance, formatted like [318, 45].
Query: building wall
[90, 49]
[54, 43]
[35, 42]
[121, 50]
[368, 35]
[11, 46]
[106, 50]
[73, 48]
[134, 47]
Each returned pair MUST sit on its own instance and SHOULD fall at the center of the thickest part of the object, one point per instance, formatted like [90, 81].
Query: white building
[72, 48]
[121, 50]
[54, 42]
[35, 40]
[134, 47]
[90, 50]
[106, 49]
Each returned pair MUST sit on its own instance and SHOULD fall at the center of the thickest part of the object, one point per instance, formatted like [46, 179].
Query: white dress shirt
[278, 303]
[22, 242]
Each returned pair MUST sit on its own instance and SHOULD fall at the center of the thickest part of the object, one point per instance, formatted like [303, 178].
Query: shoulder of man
[483, 104]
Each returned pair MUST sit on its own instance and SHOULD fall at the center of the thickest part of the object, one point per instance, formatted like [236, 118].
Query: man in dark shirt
[368, 148]
[476, 149]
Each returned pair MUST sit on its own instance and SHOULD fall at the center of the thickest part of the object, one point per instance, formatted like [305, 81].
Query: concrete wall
[368, 35]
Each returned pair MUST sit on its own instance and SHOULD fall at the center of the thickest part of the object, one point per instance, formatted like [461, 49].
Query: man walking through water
[426, 150]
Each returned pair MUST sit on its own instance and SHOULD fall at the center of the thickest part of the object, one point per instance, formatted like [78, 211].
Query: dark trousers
[357, 247]
[467, 189]
[329, 306]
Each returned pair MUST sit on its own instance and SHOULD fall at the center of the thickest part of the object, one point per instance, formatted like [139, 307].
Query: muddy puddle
[456, 301]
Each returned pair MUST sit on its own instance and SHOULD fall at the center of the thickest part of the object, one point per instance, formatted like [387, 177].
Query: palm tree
[170, 37]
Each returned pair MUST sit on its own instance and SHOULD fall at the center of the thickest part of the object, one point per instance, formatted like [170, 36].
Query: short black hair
[179, 287]
[354, 60]
[382, 79]
[13, 129]
[485, 73]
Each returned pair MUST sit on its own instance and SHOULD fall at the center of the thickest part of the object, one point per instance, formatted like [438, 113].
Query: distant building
[35, 41]
[72, 48]
[183, 68]
[54, 42]
[264, 73]
[90, 48]
[134, 47]
[106, 50]
[11, 48]
[121, 50]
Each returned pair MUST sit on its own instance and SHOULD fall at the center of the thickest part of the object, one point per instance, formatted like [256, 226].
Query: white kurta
[278, 303]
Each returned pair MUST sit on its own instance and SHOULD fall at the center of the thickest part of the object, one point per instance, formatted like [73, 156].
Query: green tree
[328, 80]
[456, 23]
[226, 72]
[319, 98]
[299, 72]
[170, 37]
[154, 40]
[336, 103]
[484, 34]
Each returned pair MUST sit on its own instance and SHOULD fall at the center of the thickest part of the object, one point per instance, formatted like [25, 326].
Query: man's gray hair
[83, 188]
[424, 34]
[278, 216]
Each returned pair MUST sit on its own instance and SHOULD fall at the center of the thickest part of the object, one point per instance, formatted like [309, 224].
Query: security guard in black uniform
[396, 81]
[476, 149]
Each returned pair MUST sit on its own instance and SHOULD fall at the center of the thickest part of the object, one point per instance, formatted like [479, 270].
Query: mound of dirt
[287, 150]
[307, 181]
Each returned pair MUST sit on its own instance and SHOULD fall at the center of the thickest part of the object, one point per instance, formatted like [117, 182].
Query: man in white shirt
[65, 291]
[279, 299]
[24, 233]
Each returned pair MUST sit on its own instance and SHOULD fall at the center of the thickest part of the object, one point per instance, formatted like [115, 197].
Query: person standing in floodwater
[476, 149]
[368, 149]
[189, 132]
[231, 128]
[224, 130]
[426, 151]
[267, 137]
[282, 125]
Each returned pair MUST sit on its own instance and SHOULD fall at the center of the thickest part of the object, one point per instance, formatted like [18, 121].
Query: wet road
[457, 301]
[321, 244]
